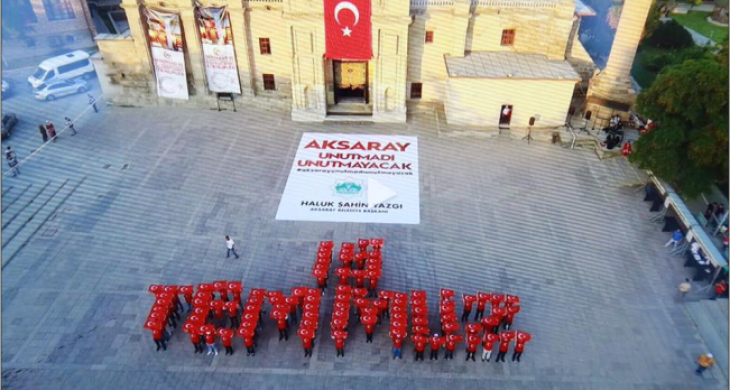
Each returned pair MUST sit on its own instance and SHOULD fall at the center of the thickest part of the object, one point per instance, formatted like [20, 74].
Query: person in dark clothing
[12, 161]
[710, 211]
[44, 134]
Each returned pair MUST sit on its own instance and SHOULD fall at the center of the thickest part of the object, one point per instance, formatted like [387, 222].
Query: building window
[58, 9]
[508, 37]
[269, 83]
[264, 45]
[429, 36]
[416, 90]
[70, 39]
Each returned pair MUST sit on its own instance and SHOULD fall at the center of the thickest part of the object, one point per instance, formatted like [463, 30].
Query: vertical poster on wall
[168, 53]
[218, 53]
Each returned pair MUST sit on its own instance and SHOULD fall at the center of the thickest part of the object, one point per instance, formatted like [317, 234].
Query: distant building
[487, 63]
[34, 30]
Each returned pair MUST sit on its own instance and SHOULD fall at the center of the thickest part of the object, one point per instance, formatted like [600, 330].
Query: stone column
[237, 14]
[133, 11]
[613, 84]
[194, 52]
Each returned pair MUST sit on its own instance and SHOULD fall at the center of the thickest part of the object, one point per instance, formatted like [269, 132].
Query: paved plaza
[155, 190]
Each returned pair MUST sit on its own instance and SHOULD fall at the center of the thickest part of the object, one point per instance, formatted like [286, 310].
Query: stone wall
[478, 101]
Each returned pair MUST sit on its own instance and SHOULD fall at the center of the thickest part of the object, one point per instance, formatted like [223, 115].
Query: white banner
[220, 68]
[170, 72]
[218, 53]
[168, 54]
[353, 178]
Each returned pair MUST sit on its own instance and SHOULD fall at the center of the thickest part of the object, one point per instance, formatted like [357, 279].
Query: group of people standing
[216, 311]
[48, 129]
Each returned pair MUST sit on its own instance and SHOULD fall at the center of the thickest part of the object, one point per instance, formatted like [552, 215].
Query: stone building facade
[471, 58]
[45, 28]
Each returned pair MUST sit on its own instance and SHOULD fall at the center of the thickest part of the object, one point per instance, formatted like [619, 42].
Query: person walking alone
[12, 159]
[51, 129]
[704, 362]
[684, 288]
[677, 236]
[92, 102]
[231, 248]
[70, 125]
[44, 133]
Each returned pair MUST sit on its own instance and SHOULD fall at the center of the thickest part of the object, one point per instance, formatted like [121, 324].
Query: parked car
[9, 122]
[60, 88]
[64, 67]
[6, 88]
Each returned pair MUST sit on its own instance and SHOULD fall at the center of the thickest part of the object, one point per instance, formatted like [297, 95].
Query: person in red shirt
[158, 333]
[491, 323]
[209, 332]
[232, 307]
[307, 336]
[369, 321]
[720, 289]
[283, 327]
[482, 300]
[472, 342]
[419, 342]
[488, 345]
[468, 304]
[436, 343]
[451, 341]
[339, 336]
[505, 338]
[398, 337]
[187, 292]
[227, 339]
[498, 313]
[510, 317]
[248, 335]
[522, 339]
[192, 330]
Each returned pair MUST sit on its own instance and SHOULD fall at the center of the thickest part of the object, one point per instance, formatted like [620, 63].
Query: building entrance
[351, 82]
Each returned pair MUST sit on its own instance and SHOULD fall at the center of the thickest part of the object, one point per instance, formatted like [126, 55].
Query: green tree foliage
[689, 148]
[670, 35]
[722, 53]
[652, 20]
[657, 61]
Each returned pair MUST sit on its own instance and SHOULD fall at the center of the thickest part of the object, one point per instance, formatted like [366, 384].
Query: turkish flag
[348, 30]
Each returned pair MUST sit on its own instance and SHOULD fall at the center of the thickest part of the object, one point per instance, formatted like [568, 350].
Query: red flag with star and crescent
[348, 30]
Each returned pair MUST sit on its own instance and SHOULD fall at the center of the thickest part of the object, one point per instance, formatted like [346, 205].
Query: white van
[63, 67]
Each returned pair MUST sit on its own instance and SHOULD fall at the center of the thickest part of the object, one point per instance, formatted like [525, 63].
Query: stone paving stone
[551, 225]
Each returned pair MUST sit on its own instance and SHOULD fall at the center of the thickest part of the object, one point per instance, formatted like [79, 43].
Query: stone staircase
[26, 205]
[711, 319]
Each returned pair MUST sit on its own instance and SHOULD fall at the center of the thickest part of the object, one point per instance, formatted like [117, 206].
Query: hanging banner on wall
[168, 53]
[364, 178]
[220, 60]
[348, 32]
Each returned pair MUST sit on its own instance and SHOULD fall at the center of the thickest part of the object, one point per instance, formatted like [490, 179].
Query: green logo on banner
[348, 188]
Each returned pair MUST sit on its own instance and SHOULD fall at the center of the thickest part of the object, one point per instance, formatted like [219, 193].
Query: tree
[671, 35]
[653, 20]
[689, 147]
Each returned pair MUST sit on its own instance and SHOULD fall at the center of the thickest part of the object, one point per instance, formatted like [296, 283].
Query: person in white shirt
[231, 247]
